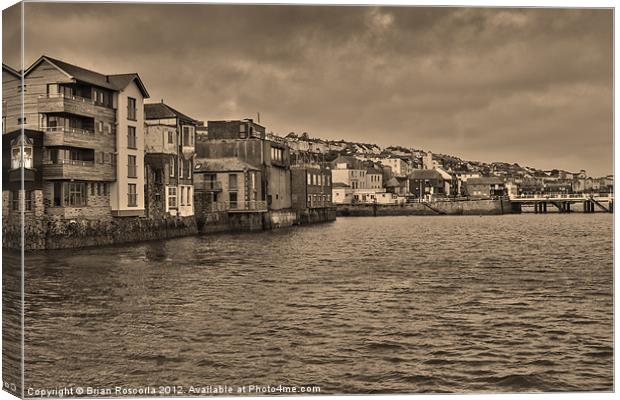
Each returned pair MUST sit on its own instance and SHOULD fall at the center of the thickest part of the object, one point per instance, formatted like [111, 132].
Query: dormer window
[17, 158]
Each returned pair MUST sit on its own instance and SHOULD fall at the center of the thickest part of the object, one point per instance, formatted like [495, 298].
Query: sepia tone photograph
[301, 199]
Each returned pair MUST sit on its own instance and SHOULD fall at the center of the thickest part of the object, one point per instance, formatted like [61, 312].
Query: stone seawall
[316, 215]
[470, 207]
[48, 233]
[255, 221]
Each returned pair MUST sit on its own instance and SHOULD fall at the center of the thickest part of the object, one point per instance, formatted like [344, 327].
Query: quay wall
[316, 215]
[50, 233]
[469, 207]
[216, 222]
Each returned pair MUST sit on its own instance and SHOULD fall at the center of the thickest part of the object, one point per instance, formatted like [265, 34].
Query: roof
[113, 82]
[425, 174]
[336, 185]
[374, 171]
[11, 70]
[490, 180]
[392, 183]
[225, 164]
[162, 111]
[121, 81]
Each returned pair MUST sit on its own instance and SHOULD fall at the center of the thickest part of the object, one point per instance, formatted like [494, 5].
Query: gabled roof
[113, 82]
[163, 111]
[425, 174]
[226, 164]
[11, 70]
[121, 81]
[392, 183]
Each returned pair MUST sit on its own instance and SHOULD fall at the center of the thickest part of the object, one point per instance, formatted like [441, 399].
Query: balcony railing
[67, 96]
[55, 102]
[63, 129]
[78, 170]
[69, 162]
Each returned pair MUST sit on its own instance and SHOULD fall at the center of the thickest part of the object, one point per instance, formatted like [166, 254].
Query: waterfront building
[169, 147]
[342, 193]
[92, 130]
[247, 141]
[374, 178]
[426, 184]
[350, 171]
[227, 184]
[311, 186]
[485, 187]
[461, 178]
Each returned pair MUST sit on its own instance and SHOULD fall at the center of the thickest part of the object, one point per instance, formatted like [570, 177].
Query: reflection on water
[362, 305]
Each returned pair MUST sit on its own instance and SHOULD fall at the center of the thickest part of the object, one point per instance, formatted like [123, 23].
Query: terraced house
[92, 147]
[170, 150]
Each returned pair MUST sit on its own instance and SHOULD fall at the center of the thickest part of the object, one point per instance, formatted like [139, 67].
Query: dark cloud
[532, 86]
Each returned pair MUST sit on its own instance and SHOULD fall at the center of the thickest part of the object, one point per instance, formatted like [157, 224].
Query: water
[362, 305]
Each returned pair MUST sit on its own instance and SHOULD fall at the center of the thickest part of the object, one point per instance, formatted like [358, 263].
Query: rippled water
[361, 305]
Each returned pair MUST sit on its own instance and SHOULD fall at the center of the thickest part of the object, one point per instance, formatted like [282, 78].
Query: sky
[531, 86]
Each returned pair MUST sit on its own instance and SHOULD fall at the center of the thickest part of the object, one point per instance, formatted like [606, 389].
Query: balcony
[78, 170]
[61, 103]
[62, 136]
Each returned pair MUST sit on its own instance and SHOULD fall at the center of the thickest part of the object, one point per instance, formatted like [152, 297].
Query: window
[232, 197]
[309, 178]
[172, 197]
[19, 159]
[242, 133]
[21, 88]
[187, 136]
[131, 109]
[132, 168]
[52, 90]
[232, 181]
[131, 137]
[170, 137]
[277, 154]
[173, 166]
[14, 200]
[21, 121]
[74, 194]
[186, 168]
[132, 195]
[182, 196]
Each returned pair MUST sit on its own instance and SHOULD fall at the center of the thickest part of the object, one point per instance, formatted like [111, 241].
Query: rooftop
[113, 82]
[162, 111]
[425, 174]
[485, 180]
[226, 164]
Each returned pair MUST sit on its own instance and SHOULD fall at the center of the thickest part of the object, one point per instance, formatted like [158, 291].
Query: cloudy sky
[532, 86]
